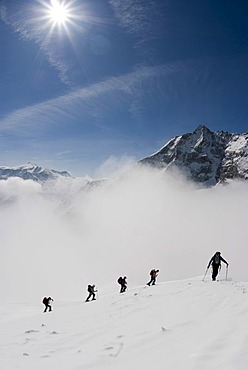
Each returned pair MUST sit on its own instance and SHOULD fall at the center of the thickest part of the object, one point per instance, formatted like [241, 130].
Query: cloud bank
[126, 226]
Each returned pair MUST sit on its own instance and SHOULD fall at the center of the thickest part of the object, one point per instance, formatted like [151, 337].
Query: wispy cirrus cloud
[24, 21]
[124, 98]
[141, 19]
[99, 100]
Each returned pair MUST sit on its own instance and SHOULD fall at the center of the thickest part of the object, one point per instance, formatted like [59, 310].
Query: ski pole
[226, 271]
[205, 274]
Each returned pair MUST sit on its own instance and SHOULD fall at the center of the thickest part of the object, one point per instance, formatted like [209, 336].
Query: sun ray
[59, 13]
[64, 16]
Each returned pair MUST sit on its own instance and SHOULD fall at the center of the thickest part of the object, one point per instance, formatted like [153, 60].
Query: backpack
[153, 273]
[119, 281]
[44, 301]
[217, 259]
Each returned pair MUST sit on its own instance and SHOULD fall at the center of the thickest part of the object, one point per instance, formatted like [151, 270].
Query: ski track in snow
[188, 324]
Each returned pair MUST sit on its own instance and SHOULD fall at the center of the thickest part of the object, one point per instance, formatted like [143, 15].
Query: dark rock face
[204, 156]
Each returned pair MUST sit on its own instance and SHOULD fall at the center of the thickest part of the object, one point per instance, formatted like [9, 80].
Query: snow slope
[187, 324]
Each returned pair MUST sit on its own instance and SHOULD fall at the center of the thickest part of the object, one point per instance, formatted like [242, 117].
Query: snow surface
[187, 324]
[238, 143]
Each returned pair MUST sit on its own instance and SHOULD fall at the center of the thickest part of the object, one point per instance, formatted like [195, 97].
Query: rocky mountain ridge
[204, 156]
[31, 171]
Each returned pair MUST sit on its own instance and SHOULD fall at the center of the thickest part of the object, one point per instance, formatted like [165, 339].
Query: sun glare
[59, 13]
[61, 16]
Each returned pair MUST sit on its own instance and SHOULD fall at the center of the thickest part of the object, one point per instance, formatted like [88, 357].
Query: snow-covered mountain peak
[29, 167]
[204, 156]
[202, 130]
[31, 171]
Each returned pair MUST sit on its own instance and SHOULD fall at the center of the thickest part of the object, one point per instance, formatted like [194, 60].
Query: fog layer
[57, 239]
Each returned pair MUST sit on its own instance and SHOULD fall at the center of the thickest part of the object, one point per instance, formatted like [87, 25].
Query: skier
[91, 289]
[153, 274]
[123, 283]
[215, 261]
[47, 301]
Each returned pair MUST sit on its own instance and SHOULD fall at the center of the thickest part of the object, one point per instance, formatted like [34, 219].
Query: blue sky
[117, 78]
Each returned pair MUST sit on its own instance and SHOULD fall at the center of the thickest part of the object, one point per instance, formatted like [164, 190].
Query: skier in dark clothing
[123, 283]
[48, 303]
[215, 261]
[153, 274]
[91, 289]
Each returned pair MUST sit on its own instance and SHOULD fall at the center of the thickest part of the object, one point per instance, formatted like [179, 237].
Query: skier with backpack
[215, 262]
[91, 289]
[47, 301]
[153, 274]
[123, 283]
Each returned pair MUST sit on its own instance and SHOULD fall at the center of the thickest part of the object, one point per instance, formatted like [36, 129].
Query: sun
[59, 13]
[60, 16]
